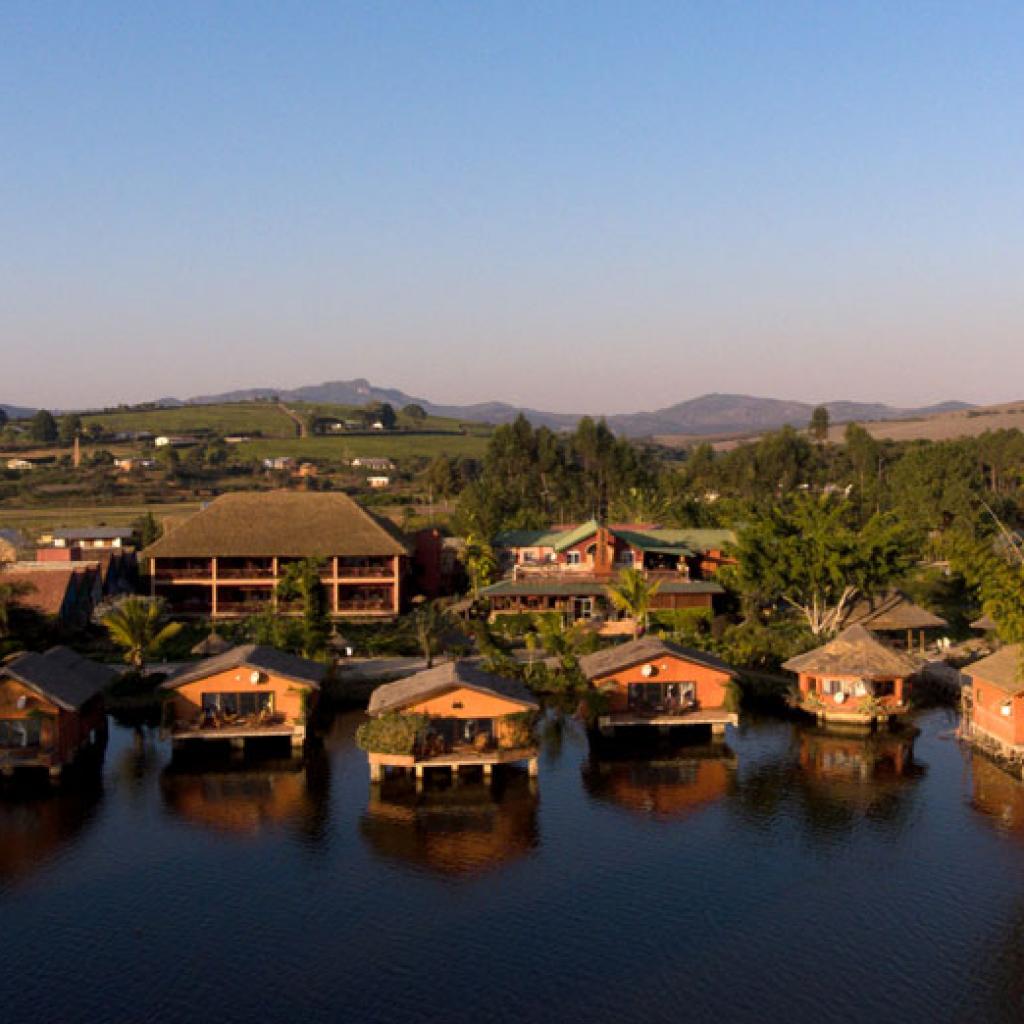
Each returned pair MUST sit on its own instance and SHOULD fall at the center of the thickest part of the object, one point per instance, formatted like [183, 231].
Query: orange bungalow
[854, 679]
[51, 709]
[650, 682]
[248, 692]
[450, 716]
[994, 703]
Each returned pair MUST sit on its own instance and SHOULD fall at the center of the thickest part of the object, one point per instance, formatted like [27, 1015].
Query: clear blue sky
[593, 206]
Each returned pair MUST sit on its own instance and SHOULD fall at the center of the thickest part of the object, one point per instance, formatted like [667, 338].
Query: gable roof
[299, 524]
[647, 648]
[267, 659]
[855, 652]
[892, 611]
[95, 533]
[48, 585]
[450, 675]
[985, 623]
[1004, 669]
[652, 538]
[60, 675]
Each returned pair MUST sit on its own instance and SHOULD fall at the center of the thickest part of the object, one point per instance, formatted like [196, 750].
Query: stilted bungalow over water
[450, 716]
[248, 692]
[51, 709]
[854, 679]
[650, 682]
[993, 704]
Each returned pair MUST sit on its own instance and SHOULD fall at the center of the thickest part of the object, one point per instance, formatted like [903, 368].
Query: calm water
[794, 876]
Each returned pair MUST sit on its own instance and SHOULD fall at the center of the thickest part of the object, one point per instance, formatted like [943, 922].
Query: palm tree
[480, 563]
[138, 624]
[633, 593]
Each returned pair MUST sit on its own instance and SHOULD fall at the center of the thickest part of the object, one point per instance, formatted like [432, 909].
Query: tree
[301, 581]
[3, 417]
[820, 423]
[70, 427]
[43, 427]
[9, 594]
[807, 553]
[632, 592]
[414, 412]
[148, 529]
[481, 565]
[139, 625]
[429, 622]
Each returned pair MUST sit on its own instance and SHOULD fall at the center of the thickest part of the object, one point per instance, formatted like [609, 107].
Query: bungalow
[651, 682]
[854, 679]
[378, 483]
[567, 570]
[51, 709]
[102, 537]
[248, 692]
[450, 716]
[893, 615]
[994, 703]
[226, 560]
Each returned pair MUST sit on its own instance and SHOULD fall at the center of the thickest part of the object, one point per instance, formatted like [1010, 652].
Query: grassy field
[391, 446]
[232, 418]
[35, 520]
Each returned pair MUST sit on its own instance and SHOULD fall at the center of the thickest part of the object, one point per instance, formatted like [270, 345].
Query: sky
[595, 206]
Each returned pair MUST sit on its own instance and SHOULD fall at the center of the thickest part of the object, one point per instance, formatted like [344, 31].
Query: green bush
[391, 733]
[518, 731]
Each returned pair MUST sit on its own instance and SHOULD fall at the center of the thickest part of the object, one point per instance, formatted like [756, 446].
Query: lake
[790, 875]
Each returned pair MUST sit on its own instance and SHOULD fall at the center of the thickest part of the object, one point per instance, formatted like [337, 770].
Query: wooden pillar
[396, 598]
[334, 588]
[274, 568]
[376, 771]
[213, 588]
[718, 731]
[910, 640]
[488, 771]
[897, 690]
[532, 767]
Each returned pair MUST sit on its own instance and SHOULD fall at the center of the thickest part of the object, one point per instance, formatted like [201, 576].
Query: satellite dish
[647, 671]
[255, 677]
[840, 697]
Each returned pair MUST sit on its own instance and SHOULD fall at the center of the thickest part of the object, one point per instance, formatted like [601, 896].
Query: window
[573, 558]
[20, 732]
[249, 703]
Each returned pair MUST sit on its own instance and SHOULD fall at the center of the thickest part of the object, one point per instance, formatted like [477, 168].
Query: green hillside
[234, 418]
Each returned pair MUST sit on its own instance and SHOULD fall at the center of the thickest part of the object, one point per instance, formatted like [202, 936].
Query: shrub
[391, 733]
[517, 730]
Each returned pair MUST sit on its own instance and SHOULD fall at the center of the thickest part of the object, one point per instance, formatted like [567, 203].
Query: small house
[450, 716]
[51, 709]
[854, 679]
[896, 619]
[651, 682]
[378, 483]
[994, 707]
[248, 692]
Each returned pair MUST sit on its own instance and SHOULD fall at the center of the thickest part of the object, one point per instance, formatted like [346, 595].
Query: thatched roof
[213, 644]
[297, 524]
[647, 648]
[855, 652]
[253, 656]
[1004, 669]
[60, 675]
[892, 611]
[985, 623]
[449, 676]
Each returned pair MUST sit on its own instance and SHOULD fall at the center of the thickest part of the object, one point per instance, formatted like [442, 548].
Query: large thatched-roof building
[227, 560]
[895, 617]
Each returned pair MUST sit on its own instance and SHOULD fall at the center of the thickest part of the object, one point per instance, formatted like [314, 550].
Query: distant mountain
[17, 412]
[707, 414]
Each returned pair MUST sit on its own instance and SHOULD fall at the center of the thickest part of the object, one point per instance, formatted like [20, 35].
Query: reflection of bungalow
[854, 678]
[51, 709]
[997, 794]
[450, 716]
[650, 682]
[896, 618]
[248, 692]
[994, 705]
[856, 757]
[238, 801]
[567, 571]
[458, 830]
[227, 560]
[667, 787]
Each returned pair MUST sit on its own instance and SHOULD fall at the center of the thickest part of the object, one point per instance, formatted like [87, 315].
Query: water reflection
[246, 797]
[462, 829]
[832, 780]
[997, 794]
[671, 784]
[37, 823]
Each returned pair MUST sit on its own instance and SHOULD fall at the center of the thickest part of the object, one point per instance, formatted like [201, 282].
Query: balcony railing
[365, 606]
[587, 574]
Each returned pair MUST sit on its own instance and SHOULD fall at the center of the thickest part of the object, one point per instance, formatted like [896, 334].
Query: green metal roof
[686, 542]
[574, 536]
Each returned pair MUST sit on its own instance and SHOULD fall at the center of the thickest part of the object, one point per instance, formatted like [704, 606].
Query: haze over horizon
[590, 209]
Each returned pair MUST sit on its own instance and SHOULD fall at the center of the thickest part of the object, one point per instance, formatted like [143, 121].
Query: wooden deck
[716, 718]
[486, 759]
[238, 734]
